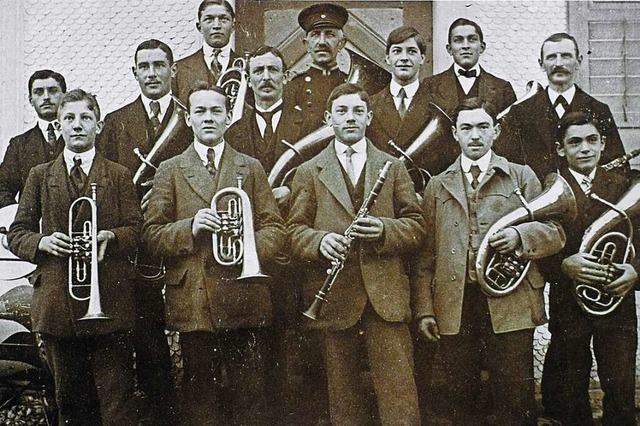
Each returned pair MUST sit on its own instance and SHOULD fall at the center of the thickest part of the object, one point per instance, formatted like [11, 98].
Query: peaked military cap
[323, 15]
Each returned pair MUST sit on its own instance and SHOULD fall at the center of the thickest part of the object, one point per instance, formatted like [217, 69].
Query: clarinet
[621, 161]
[336, 265]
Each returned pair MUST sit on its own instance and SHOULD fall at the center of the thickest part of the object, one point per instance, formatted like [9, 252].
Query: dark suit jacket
[202, 295]
[244, 135]
[529, 132]
[444, 90]
[321, 204]
[47, 197]
[190, 70]
[387, 125]
[24, 151]
[128, 128]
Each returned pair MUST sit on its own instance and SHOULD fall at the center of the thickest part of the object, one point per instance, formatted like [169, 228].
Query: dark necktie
[268, 130]
[211, 162]
[78, 177]
[350, 169]
[475, 174]
[155, 116]
[51, 134]
[215, 65]
[561, 102]
[586, 185]
[402, 108]
[468, 73]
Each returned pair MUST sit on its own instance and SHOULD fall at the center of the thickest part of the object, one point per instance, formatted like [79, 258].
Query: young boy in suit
[91, 360]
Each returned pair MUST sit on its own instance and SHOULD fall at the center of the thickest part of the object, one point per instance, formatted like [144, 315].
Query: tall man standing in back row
[529, 134]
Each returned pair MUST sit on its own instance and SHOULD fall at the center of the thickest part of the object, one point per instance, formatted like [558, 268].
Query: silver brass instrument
[622, 160]
[533, 87]
[235, 84]
[499, 274]
[235, 242]
[336, 266]
[609, 247]
[83, 261]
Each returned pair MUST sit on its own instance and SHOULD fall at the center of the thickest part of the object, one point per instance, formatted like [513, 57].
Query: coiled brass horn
[83, 261]
[609, 247]
[234, 83]
[499, 274]
[235, 242]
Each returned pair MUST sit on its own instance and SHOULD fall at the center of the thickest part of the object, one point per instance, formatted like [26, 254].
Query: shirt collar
[410, 89]
[163, 101]
[202, 150]
[323, 70]
[567, 94]
[86, 157]
[457, 67]
[271, 108]
[482, 162]
[225, 51]
[359, 147]
[44, 126]
[580, 177]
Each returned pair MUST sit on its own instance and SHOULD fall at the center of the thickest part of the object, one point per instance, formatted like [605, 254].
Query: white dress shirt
[466, 82]
[164, 105]
[482, 163]
[567, 94]
[86, 157]
[358, 158]
[262, 124]
[202, 150]
[223, 57]
[409, 90]
[44, 128]
[580, 179]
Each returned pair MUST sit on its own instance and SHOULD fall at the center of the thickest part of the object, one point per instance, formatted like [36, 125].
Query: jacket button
[455, 223]
[453, 251]
[308, 91]
[453, 277]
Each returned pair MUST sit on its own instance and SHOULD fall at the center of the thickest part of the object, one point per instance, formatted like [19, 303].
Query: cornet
[235, 242]
[83, 261]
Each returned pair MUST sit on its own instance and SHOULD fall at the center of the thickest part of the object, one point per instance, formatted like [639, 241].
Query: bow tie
[468, 73]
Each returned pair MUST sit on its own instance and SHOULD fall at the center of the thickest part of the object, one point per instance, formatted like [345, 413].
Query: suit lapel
[448, 91]
[196, 174]
[375, 162]
[453, 183]
[414, 120]
[232, 166]
[136, 127]
[332, 178]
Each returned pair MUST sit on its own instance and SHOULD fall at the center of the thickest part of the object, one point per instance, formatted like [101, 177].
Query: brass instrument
[12, 267]
[533, 87]
[336, 265]
[622, 160]
[499, 274]
[609, 247]
[235, 242]
[235, 84]
[83, 261]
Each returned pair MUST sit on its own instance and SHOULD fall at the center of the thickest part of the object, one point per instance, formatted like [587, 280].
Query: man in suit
[567, 369]
[476, 331]
[530, 128]
[466, 78]
[401, 110]
[366, 322]
[216, 22]
[139, 125]
[38, 145]
[222, 322]
[94, 356]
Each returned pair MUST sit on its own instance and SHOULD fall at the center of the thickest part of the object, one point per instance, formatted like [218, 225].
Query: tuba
[235, 242]
[499, 274]
[609, 247]
[235, 84]
[83, 261]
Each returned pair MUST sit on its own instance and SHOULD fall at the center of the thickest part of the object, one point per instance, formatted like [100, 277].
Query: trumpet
[83, 261]
[234, 83]
[235, 242]
[499, 274]
[608, 247]
[322, 296]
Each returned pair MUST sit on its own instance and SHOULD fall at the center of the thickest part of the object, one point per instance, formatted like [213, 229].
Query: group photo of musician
[241, 212]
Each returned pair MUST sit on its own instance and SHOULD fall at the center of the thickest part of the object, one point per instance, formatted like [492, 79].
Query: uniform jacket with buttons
[442, 267]
[202, 295]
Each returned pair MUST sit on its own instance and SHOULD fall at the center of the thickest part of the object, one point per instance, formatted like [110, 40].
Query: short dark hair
[201, 86]
[79, 95]
[400, 35]
[153, 44]
[207, 3]
[471, 104]
[464, 21]
[347, 89]
[45, 74]
[576, 118]
[264, 49]
[559, 37]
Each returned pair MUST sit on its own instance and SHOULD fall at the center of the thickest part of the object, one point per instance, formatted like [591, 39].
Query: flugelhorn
[234, 83]
[235, 242]
[499, 274]
[83, 261]
[322, 296]
[609, 247]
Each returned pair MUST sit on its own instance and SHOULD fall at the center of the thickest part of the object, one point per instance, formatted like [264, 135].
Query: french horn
[609, 246]
[499, 274]
[83, 261]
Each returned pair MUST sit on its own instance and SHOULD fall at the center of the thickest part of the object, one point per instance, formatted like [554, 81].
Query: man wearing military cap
[324, 39]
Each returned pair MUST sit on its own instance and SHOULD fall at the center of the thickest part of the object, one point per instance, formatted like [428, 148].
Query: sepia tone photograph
[272, 212]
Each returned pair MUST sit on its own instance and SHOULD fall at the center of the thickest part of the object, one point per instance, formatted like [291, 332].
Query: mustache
[559, 69]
